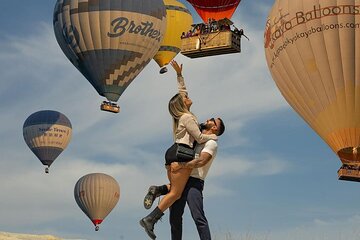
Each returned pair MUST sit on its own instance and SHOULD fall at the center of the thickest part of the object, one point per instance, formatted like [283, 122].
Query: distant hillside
[17, 236]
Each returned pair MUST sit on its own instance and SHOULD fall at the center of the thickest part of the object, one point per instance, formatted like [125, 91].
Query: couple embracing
[186, 174]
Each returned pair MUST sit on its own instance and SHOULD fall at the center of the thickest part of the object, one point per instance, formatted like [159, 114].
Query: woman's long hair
[177, 108]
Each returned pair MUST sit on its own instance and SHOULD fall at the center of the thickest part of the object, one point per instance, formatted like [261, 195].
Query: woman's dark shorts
[170, 156]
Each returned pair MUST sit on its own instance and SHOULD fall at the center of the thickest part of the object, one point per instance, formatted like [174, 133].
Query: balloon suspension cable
[240, 32]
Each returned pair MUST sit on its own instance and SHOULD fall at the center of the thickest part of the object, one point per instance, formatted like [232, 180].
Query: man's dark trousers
[192, 195]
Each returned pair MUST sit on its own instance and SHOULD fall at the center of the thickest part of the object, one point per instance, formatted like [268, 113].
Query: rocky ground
[17, 236]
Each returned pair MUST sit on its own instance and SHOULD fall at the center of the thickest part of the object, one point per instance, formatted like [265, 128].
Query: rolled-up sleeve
[193, 129]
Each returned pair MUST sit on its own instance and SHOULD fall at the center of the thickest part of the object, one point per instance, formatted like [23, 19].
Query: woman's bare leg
[178, 181]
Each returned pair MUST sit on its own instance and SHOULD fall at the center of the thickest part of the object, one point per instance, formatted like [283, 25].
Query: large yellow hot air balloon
[109, 41]
[97, 194]
[178, 20]
[312, 50]
[47, 133]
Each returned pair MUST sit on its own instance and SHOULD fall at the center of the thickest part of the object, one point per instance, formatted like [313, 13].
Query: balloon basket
[163, 70]
[349, 173]
[97, 228]
[109, 107]
[211, 42]
[46, 170]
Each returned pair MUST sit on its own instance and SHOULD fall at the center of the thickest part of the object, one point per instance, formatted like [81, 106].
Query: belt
[196, 179]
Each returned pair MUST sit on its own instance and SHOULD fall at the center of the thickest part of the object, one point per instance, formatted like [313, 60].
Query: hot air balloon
[97, 194]
[109, 41]
[47, 133]
[313, 55]
[178, 21]
[214, 9]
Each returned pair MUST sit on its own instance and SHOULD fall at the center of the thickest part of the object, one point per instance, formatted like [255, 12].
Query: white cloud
[319, 229]
[237, 166]
[30, 190]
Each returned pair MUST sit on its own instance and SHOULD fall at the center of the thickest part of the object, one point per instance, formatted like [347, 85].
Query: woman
[186, 131]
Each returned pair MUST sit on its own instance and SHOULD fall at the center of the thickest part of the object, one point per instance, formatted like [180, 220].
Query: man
[192, 194]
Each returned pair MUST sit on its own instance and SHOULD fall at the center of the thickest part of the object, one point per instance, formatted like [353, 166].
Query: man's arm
[203, 159]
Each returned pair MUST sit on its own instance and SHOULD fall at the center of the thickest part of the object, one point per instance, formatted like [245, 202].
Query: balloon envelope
[47, 133]
[312, 50]
[109, 41]
[178, 20]
[97, 194]
[216, 9]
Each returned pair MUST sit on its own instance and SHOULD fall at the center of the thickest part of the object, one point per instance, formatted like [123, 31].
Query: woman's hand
[177, 67]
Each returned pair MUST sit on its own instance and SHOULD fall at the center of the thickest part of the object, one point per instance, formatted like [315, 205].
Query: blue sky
[273, 178]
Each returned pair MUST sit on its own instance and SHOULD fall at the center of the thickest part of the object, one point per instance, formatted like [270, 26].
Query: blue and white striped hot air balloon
[47, 133]
[110, 41]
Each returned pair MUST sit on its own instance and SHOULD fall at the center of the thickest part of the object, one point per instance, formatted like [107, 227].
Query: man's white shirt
[209, 147]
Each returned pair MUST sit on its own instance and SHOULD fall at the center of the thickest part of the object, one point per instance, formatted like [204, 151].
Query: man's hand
[175, 166]
[177, 67]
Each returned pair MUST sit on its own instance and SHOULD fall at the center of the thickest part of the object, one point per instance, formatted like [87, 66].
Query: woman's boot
[153, 193]
[149, 221]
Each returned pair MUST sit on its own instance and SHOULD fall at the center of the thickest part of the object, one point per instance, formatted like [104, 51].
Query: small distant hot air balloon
[214, 9]
[312, 51]
[178, 21]
[97, 194]
[109, 41]
[47, 133]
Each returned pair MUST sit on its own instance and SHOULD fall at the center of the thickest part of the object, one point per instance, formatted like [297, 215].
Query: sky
[273, 179]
